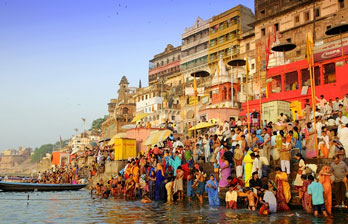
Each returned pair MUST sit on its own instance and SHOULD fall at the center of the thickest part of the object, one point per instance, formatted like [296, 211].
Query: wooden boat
[12, 186]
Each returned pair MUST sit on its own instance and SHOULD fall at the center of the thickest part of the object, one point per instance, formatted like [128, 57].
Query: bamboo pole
[260, 96]
[247, 100]
[313, 103]
[195, 121]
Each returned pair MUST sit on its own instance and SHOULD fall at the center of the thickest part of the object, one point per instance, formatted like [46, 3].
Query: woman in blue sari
[159, 181]
[212, 188]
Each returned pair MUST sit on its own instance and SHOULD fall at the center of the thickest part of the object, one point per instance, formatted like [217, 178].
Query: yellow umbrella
[202, 125]
[158, 136]
[119, 135]
[140, 116]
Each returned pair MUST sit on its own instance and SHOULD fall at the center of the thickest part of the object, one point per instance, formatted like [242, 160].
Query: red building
[290, 82]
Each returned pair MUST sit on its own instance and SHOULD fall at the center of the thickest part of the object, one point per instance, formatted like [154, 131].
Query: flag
[268, 50]
[309, 47]
[195, 86]
[247, 70]
[267, 90]
[274, 34]
[61, 141]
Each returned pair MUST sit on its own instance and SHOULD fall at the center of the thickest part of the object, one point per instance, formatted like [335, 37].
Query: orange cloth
[324, 150]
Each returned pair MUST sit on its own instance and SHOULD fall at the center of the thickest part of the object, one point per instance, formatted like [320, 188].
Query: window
[263, 32]
[329, 73]
[297, 19]
[305, 77]
[276, 84]
[288, 40]
[247, 47]
[263, 12]
[317, 12]
[187, 100]
[306, 16]
[298, 53]
[276, 26]
[291, 81]
[328, 27]
[252, 66]
[341, 3]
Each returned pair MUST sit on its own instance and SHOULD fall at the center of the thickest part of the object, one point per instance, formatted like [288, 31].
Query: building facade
[165, 65]
[121, 110]
[224, 35]
[194, 48]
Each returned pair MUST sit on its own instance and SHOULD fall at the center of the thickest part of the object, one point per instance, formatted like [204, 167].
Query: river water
[80, 207]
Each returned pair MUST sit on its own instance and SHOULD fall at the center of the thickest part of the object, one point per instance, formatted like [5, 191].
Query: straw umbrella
[338, 29]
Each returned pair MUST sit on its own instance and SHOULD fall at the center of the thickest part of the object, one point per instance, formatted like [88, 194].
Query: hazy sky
[61, 60]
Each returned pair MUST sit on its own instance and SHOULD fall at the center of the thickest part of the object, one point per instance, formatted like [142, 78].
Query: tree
[96, 124]
[39, 153]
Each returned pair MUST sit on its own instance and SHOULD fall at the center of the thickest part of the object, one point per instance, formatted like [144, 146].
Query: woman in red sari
[306, 203]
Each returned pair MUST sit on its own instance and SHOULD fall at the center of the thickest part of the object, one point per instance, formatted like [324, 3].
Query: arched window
[125, 110]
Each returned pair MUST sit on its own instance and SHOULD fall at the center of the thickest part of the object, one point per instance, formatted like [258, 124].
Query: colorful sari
[248, 161]
[225, 173]
[306, 204]
[325, 180]
[159, 181]
[283, 192]
[311, 152]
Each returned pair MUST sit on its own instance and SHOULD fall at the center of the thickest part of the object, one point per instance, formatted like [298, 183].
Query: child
[189, 187]
[146, 199]
[200, 186]
[251, 198]
[264, 209]
[231, 198]
[216, 168]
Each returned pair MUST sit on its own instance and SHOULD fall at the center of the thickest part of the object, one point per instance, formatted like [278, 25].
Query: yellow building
[224, 34]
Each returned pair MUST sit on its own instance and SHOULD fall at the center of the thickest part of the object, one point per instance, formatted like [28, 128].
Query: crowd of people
[59, 175]
[228, 159]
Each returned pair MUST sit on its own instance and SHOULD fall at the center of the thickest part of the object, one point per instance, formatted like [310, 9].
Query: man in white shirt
[319, 126]
[327, 110]
[233, 138]
[227, 133]
[336, 104]
[345, 101]
[255, 163]
[322, 101]
[176, 144]
[341, 120]
[266, 150]
[343, 137]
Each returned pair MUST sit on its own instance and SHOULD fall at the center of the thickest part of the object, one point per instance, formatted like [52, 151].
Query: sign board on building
[330, 50]
[193, 101]
[189, 91]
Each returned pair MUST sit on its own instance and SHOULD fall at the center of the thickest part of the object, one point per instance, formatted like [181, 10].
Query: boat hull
[12, 186]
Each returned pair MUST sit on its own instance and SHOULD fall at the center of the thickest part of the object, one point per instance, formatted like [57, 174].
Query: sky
[62, 60]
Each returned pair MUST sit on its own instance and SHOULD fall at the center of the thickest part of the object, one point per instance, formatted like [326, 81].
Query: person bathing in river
[251, 198]
[212, 188]
[231, 197]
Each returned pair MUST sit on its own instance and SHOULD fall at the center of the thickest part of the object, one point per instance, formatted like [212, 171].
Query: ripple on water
[80, 207]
